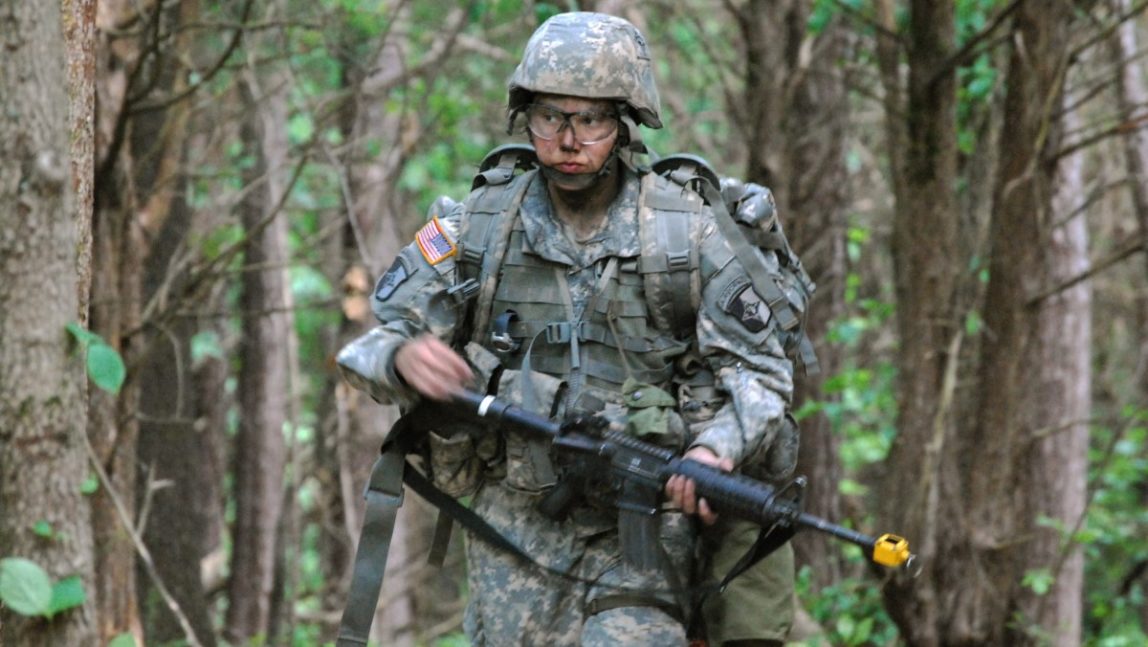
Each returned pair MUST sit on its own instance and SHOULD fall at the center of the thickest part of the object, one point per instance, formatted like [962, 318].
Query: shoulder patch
[391, 280]
[747, 306]
[434, 243]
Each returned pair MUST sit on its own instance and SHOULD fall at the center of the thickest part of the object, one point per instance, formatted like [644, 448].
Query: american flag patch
[433, 242]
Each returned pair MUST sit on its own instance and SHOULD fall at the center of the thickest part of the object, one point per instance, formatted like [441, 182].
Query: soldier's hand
[682, 491]
[432, 368]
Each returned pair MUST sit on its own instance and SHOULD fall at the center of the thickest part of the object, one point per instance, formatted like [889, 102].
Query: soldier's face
[564, 152]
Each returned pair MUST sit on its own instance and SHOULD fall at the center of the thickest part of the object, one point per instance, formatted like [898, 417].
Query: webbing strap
[758, 274]
[384, 496]
[378, 528]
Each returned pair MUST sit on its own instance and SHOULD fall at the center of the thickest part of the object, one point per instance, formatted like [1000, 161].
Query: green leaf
[1039, 580]
[106, 367]
[123, 640]
[300, 128]
[24, 586]
[844, 626]
[85, 337]
[849, 487]
[68, 593]
[90, 485]
[973, 323]
[43, 529]
[204, 345]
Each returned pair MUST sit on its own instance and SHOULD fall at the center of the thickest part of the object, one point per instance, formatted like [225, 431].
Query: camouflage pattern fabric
[589, 55]
[513, 604]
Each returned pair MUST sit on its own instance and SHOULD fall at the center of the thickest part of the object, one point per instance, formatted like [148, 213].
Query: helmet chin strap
[635, 146]
[576, 182]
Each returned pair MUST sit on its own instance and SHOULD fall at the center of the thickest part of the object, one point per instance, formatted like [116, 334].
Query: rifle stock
[634, 461]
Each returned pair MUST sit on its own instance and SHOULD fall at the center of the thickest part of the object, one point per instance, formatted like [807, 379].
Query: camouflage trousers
[513, 603]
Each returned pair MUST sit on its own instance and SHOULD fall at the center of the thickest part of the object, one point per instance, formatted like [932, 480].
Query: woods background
[197, 196]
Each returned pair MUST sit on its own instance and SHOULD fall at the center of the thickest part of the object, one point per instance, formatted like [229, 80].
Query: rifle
[638, 468]
[592, 452]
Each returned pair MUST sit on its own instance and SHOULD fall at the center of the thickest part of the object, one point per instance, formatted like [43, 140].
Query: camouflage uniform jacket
[735, 335]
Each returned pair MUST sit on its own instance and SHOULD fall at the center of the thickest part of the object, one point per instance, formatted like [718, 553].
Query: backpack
[745, 213]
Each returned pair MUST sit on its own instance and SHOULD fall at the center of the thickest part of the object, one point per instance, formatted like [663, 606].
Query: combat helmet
[590, 55]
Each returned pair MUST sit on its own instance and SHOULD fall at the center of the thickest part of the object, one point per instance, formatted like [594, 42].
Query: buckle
[463, 292]
[678, 260]
[500, 340]
[503, 342]
[558, 332]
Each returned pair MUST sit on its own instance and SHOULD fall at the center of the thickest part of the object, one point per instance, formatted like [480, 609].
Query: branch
[971, 49]
[1123, 128]
[872, 23]
[1133, 245]
[1105, 33]
[454, 24]
[236, 39]
[141, 548]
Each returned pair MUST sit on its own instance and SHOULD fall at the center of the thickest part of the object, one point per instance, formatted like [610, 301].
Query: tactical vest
[643, 313]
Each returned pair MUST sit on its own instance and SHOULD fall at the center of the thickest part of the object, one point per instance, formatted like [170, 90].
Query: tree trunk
[174, 456]
[1029, 442]
[353, 427]
[922, 148]
[264, 379]
[117, 255]
[795, 126]
[80, 34]
[43, 460]
[372, 237]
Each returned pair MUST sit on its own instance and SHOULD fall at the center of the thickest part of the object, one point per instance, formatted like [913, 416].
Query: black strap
[375, 540]
[768, 541]
[384, 496]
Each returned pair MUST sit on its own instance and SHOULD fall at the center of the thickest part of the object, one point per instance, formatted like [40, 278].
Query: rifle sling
[384, 496]
[378, 528]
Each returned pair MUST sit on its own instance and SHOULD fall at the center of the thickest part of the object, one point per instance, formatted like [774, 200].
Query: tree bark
[264, 379]
[796, 119]
[117, 256]
[174, 456]
[921, 136]
[1029, 441]
[43, 459]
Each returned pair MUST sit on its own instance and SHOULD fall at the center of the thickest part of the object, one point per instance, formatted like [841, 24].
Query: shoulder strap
[669, 260]
[695, 173]
[491, 210]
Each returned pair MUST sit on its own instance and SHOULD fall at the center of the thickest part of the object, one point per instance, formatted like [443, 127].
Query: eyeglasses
[588, 126]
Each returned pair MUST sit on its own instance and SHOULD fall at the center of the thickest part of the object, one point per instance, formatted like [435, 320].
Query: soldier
[540, 287]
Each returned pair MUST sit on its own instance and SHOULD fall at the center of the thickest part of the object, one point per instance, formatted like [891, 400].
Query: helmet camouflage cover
[588, 55]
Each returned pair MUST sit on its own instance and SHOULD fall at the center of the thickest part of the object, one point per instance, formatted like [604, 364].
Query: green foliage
[27, 589]
[43, 529]
[453, 640]
[205, 345]
[24, 586]
[122, 640]
[850, 611]
[1115, 533]
[105, 366]
[90, 485]
[1039, 580]
[66, 594]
